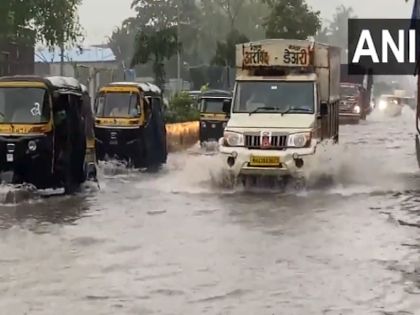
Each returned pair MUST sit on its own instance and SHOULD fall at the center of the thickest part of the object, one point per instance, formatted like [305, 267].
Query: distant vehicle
[286, 102]
[351, 102]
[213, 119]
[392, 105]
[45, 127]
[365, 84]
[129, 124]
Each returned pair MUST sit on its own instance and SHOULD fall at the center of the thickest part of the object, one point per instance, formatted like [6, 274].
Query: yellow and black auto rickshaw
[129, 124]
[213, 119]
[43, 132]
[89, 123]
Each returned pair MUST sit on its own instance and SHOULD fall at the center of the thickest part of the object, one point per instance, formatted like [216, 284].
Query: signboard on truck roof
[274, 53]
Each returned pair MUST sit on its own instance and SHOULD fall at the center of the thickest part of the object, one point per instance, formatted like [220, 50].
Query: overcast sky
[99, 17]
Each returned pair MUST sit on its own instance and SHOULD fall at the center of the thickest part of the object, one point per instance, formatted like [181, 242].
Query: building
[93, 66]
[16, 57]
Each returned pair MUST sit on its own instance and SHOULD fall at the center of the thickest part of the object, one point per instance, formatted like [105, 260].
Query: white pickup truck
[285, 102]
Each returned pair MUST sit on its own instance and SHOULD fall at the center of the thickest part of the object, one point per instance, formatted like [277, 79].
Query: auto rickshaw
[213, 119]
[89, 122]
[129, 124]
[43, 132]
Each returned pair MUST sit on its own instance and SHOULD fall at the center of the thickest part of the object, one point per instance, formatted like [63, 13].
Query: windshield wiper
[262, 108]
[297, 109]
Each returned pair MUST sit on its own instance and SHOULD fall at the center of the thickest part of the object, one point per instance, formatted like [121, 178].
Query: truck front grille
[254, 141]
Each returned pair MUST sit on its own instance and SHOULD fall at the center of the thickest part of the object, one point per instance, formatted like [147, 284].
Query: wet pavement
[177, 243]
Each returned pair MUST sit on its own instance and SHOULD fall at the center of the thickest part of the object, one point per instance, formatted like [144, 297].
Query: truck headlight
[233, 139]
[356, 109]
[203, 124]
[382, 105]
[299, 140]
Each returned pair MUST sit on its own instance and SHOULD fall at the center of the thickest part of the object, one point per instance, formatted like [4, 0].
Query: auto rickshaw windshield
[24, 105]
[116, 104]
[212, 105]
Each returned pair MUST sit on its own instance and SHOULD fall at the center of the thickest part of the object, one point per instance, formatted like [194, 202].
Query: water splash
[373, 156]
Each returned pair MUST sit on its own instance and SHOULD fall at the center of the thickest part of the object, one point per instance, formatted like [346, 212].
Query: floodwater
[178, 243]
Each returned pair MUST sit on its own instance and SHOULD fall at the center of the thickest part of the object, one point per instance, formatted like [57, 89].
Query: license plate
[265, 161]
[113, 142]
[9, 157]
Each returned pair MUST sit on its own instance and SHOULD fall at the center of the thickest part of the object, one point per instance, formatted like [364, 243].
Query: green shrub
[182, 109]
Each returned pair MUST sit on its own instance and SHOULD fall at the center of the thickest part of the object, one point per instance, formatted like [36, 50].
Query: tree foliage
[122, 42]
[231, 9]
[182, 109]
[156, 46]
[292, 19]
[336, 31]
[55, 22]
[226, 50]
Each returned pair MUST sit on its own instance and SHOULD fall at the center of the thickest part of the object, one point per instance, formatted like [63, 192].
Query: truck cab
[285, 103]
[351, 103]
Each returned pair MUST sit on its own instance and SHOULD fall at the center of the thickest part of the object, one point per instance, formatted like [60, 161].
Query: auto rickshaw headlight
[32, 146]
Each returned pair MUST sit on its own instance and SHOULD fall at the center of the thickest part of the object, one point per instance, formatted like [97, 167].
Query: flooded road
[176, 243]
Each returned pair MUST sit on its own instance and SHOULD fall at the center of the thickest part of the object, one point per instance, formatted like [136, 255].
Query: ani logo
[265, 139]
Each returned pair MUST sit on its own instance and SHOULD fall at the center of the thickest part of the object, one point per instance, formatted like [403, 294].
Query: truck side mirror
[324, 109]
[227, 104]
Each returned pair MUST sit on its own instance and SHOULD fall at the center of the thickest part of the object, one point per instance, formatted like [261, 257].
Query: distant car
[392, 105]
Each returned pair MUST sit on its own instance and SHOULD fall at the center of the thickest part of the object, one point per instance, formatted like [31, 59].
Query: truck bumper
[237, 161]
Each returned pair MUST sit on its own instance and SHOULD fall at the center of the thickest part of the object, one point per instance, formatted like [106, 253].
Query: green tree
[156, 46]
[339, 26]
[55, 22]
[122, 42]
[336, 32]
[183, 16]
[231, 9]
[226, 50]
[291, 19]
[250, 19]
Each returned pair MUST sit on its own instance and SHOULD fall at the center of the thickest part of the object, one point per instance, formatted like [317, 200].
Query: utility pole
[178, 51]
[62, 60]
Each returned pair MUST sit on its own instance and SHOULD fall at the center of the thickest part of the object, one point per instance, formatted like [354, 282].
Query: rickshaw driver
[120, 109]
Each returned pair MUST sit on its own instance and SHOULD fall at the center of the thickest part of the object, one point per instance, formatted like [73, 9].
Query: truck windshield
[24, 105]
[123, 105]
[212, 105]
[349, 90]
[268, 97]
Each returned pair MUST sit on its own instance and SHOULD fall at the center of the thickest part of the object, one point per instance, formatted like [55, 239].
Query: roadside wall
[181, 136]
